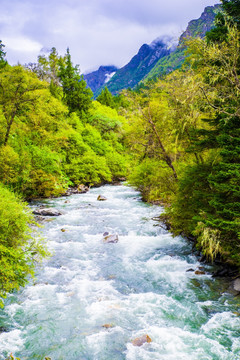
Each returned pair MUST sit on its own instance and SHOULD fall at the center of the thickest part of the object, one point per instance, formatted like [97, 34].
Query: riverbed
[91, 299]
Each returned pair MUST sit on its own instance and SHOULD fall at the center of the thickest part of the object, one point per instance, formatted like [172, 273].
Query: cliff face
[200, 26]
[195, 28]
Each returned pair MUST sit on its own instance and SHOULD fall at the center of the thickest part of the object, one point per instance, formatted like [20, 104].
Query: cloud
[98, 32]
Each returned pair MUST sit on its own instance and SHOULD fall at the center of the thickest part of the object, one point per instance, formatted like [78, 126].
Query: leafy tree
[218, 63]
[76, 95]
[19, 91]
[230, 15]
[232, 9]
[47, 69]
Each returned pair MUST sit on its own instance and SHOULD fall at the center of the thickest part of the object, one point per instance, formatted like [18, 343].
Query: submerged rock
[108, 326]
[47, 212]
[101, 198]
[110, 238]
[141, 340]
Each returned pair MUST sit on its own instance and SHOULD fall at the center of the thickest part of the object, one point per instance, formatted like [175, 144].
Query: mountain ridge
[151, 60]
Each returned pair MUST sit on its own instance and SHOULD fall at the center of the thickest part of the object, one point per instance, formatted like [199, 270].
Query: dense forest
[177, 139]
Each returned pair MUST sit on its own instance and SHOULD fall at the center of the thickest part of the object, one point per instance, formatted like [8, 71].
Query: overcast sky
[98, 32]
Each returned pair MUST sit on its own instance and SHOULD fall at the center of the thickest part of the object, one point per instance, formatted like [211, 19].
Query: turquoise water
[137, 286]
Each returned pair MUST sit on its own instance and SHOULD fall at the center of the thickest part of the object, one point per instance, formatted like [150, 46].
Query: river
[91, 299]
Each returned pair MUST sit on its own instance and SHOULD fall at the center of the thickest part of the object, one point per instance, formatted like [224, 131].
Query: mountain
[140, 65]
[132, 73]
[96, 79]
[151, 60]
[195, 28]
[200, 26]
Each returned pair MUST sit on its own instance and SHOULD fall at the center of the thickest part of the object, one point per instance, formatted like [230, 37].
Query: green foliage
[154, 179]
[208, 241]
[45, 146]
[88, 169]
[166, 65]
[19, 91]
[19, 250]
[184, 131]
[232, 9]
[3, 61]
[230, 15]
[105, 119]
[106, 98]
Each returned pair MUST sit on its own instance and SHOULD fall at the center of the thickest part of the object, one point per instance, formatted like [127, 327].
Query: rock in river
[200, 272]
[236, 284]
[47, 212]
[141, 340]
[101, 198]
[110, 238]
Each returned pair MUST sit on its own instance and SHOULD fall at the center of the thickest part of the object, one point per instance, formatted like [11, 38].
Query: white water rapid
[91, 299]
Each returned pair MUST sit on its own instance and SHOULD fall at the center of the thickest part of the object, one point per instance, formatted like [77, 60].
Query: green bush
[88, 169]
[19, 249]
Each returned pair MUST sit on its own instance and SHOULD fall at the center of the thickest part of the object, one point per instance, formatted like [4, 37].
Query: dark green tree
[232, 9]
[3, 61]
[106, 98]
[221, 88]
[229, 15]
[76, 95]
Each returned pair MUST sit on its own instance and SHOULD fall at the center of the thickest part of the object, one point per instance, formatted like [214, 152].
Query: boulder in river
[110, 238]
[200, 272]
[101, 198]
[141, 340]
[47, 212]
[236, 284]
[82, 189]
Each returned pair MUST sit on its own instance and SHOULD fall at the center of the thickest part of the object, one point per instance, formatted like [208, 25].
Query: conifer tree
[76, 95]
[106, 98]
[3, 61]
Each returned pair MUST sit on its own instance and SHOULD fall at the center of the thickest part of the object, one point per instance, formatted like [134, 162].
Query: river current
[91, 299]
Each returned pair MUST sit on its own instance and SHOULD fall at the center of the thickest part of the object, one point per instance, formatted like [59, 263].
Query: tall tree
[219, 65]
[18, 93]
[230, 15]
[76, 95]
[106, 98]
[3, 61]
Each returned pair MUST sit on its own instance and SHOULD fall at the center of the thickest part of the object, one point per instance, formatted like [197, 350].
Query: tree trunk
[9, 125]
[165, 155]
